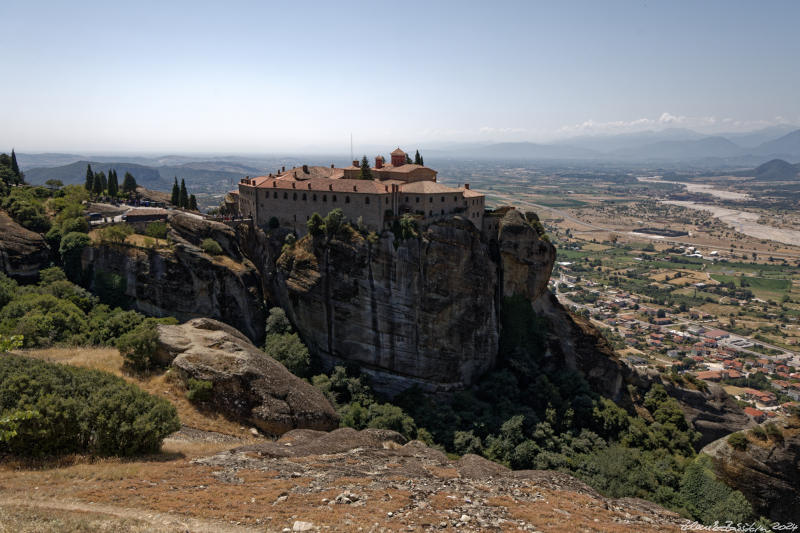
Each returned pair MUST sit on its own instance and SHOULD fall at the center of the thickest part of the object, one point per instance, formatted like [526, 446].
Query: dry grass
[24, 519]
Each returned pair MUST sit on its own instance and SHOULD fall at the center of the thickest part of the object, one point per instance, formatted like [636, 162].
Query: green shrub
[71, 248]
[759, 433]
[157, 230]
[78, 224]
[139, 345]
[199, 390]
[211, 247]
[738, 441]
[277, 322]
[50, 409]
[116, 233]
[315, 225]
[288, 349]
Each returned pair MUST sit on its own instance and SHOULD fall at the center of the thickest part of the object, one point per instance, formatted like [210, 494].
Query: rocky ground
[307, 480]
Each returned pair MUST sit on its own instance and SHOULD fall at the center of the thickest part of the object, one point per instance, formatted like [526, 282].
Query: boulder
[248, 385]
[22, 252]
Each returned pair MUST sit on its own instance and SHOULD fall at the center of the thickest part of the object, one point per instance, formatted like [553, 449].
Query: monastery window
[334, 198]
[314, 198]
[304, 196]
[294, 196]
[455, 198]
[387, 201]
[430, 200]
[406, 199]
[347, 199]
[443, 198]
[275, 194]
[443, 211]
[324, 197]
[286, 196]
[366, 200]
[417, 199]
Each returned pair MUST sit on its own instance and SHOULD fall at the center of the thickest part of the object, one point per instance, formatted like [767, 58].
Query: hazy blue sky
[270, 76]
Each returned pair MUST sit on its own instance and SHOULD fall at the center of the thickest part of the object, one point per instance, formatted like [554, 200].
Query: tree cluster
[181, 197]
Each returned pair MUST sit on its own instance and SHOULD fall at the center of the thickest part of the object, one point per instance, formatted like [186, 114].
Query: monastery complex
[395, 189]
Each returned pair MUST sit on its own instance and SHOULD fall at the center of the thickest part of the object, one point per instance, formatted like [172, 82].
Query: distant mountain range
[670, 146]
[152, 177]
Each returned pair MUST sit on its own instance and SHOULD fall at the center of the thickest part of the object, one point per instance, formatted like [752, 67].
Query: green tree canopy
[176, 193]
[184, 196]
[366, 173]
[128, 183]
[89, 184]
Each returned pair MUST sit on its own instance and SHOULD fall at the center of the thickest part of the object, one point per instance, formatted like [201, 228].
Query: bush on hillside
[289, 350]
[139, 345]
[50, 409]
[211, 247]
[738, 441]
[157, 230]
[199, 390]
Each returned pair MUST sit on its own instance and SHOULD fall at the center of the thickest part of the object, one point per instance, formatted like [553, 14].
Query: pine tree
[15, 167]
[366, 173]
[192, 203]
[408, 160]
[89, 185]
[421, 161]
[104, 179]
[113, 184]
[128, 183]
[176, 193]
[184, 199]
[417, 158]
[97, 187]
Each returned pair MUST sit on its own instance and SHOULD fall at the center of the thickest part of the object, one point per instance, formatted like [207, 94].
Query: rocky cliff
[766, 471]
[417, 311]
[184, 282]
[22, 252]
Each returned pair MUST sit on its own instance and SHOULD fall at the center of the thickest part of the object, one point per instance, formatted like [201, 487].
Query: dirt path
[166, 521]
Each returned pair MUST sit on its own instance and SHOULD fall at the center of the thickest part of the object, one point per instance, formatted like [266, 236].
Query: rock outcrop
[22, 252]
[767, 471]
[375, 477]
[185, 283]
[248, 385]
[414, 312]
[713, 412]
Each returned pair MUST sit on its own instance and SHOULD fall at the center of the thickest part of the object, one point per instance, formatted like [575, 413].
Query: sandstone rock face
[22, 252]
[247, 384]
[526, 260]
[191, 229]
[575, 341]
[185, 283]
[713, 413]
[767, 472]
[417, 312]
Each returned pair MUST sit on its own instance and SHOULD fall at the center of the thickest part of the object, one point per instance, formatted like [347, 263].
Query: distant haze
[258, 77]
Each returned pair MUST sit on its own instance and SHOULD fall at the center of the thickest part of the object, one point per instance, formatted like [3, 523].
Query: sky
[266, 77]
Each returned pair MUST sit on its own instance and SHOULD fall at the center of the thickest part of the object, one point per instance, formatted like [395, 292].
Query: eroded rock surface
[247, 384]
[185, 283]
[22, 252]
[767, 472]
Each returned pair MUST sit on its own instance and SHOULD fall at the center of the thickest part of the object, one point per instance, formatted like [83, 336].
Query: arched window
[334, 198]
[324, 197]
[347, 199]
[286, 196]
[275, 194]
[304, 196]
[314, 198]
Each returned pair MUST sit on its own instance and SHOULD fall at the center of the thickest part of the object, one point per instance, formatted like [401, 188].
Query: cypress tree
[184, 199]
[97, 187]
[176, 193]
[128, 183]
[89, 185]
[113, 185]
[15, 167]
[417, 159]
[366, 173]
[408, 160]
[421, 161]
[192, 203]
[104, 179]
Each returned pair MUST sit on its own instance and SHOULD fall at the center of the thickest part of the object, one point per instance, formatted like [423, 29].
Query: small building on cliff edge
[395, 189]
